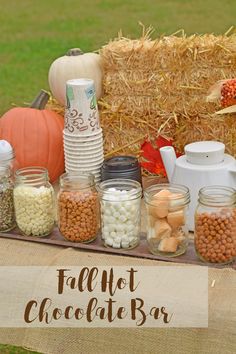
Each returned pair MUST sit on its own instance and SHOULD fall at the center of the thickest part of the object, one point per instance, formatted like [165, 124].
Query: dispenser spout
[232, 169]
[168, 157]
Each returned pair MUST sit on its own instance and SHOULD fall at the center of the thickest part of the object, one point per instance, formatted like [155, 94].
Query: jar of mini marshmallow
[34, 201]
[120, 202]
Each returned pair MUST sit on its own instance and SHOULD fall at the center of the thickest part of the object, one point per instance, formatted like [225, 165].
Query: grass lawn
[9, 349]
[34, 33]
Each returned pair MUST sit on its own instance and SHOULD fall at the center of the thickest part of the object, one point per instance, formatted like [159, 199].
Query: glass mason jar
[34, 201]
[167, 208]
[215, 225]
[7, 216]
[120, 202]
[78, 207]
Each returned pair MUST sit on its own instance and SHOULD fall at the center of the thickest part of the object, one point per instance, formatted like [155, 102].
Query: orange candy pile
[215, 236]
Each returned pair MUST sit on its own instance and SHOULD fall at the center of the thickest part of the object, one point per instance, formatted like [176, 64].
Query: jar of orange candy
[78, 207]
[215, 224]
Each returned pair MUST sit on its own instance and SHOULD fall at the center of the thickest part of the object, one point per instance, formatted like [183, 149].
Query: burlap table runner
[219, 338]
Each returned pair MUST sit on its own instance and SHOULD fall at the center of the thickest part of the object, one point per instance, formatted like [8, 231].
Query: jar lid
[120, 164]
[6, 151]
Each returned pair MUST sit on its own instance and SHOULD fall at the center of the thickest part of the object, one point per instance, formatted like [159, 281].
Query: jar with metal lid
[120, 201]
[7, 156]
[78, 207]
[167, 209]
[215, 224]
[34, 201]
[125, 167]
[7, 217]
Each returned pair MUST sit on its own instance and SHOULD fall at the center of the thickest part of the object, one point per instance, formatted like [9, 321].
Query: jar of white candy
[34, 201]
[120, 201]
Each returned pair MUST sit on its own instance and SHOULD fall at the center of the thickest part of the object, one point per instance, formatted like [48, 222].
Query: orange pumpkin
[36, 135]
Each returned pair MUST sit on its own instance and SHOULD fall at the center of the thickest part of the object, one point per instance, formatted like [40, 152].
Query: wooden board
[141, 251]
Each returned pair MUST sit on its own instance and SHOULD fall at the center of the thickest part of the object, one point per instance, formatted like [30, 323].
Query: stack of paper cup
[83, 136]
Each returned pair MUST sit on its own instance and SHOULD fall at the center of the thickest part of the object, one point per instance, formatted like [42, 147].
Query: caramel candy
[179, 235]
[215, 237]
[152, 221]
[169, 244]
[162, 229]
[176, 219]
[164, 193]
[159, 207]
[175, 201]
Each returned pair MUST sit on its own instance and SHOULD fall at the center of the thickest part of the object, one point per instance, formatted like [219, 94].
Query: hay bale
[160, 86]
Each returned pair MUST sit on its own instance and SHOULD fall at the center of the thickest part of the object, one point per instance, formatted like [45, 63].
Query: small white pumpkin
[74, 65]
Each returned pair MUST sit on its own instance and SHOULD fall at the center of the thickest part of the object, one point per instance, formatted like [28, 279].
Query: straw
[160, 86]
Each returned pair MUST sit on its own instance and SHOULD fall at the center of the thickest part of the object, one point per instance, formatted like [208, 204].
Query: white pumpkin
[74, 65]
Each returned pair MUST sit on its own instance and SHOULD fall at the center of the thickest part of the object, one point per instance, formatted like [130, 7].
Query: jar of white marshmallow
[120, 201]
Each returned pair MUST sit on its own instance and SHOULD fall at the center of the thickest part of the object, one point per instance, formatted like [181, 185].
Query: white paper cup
[90, 151]
[69, 170]
[79, 152]
[85, 157]
[87, 161]
[81, 149]
[93, 170]
[79, 156]
[92, 165]
[78, 140]
[84, 163]
[81, 113]
[92, 136]
[79, 143]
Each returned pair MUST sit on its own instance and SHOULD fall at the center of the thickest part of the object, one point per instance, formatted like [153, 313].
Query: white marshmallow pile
[34, 209]
[120, 219]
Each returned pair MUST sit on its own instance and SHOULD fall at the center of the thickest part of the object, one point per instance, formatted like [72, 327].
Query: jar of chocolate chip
[7, 217]
[215, 225]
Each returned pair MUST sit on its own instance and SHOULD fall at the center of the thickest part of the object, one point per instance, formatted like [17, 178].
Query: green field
[35, 32]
